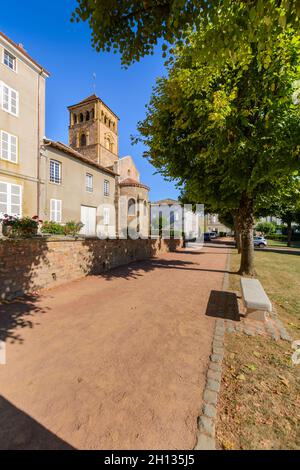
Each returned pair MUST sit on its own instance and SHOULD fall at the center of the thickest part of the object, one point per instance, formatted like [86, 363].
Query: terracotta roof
[23, 52]
[132, 182]
[89, 99]
[65, 148]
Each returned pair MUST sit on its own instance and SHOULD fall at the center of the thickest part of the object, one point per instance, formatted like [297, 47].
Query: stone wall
[27, 265]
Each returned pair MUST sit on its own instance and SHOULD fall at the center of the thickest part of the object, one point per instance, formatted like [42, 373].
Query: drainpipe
[38, 146]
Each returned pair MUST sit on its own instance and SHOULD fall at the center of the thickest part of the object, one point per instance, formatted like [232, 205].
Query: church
[87, 181]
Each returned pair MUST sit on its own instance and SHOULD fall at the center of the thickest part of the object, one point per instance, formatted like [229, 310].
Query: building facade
[22, 127]
[84, 181]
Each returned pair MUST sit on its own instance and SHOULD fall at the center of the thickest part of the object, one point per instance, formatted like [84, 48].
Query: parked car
[261, 242]
[213, 235]
[207, 237]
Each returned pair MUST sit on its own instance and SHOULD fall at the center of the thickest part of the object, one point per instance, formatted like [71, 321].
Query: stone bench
[255, 299]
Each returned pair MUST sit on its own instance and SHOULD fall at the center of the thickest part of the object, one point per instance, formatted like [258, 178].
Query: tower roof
[90, 99]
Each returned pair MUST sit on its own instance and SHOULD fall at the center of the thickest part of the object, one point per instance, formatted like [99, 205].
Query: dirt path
[111, 362]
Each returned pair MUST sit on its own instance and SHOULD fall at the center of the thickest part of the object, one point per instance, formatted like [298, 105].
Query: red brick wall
[31, 264]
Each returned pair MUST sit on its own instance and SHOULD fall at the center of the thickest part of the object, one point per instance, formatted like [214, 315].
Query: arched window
[92, 113]
[81, 117]
[87, 116]
[107, 143]
[111, 146]
[128, 173]
[82, 140]
[131, 207]
[74, 118]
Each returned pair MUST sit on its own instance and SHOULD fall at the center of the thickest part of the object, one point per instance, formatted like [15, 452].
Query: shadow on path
[19, 431]
[138, 268]
[223, 305]
[18, 314]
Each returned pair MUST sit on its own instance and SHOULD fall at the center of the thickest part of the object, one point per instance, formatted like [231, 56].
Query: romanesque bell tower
[93, 131]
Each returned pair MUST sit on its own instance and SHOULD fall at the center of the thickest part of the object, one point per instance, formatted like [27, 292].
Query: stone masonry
[27, 265]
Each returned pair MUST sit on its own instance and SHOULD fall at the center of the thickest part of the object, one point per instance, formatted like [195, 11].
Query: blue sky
[64, 48]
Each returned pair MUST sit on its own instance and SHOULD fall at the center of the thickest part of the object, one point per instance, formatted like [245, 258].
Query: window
[9, 60]
[10, 100]
[81, 117]
[106, 216]
[55, 172]
[83, 140]
[87, 116]
[10, 199]
[131, 207]
[74, 119]
[106, 188]
[55, 210]
[89, 182]
[8, 147]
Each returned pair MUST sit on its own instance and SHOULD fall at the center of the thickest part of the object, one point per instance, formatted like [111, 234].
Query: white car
[261, 242]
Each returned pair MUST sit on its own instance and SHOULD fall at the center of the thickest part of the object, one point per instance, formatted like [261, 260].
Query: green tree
[134, 27]
[227, 129]
[283, 202]
[267, 228]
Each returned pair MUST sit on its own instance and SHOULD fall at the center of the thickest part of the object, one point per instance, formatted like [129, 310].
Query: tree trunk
[245, 223]
[237, 234]
[289, 232]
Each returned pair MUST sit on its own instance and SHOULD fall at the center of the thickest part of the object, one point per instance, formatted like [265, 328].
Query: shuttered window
[9, 99]
[10, 199]
[55, 210]
[8, 147]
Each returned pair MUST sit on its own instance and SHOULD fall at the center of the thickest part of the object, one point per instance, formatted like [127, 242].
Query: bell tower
[93, 131]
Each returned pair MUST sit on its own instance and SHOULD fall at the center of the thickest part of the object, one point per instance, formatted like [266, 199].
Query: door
[88, 218]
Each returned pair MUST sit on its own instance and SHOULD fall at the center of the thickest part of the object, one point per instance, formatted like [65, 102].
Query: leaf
[284, 380]
[241, 377]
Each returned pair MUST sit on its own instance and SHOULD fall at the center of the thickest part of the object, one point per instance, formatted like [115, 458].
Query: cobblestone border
[207, 419]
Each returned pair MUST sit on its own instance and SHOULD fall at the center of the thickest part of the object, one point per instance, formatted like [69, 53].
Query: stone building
[22, 127]
[84, 181]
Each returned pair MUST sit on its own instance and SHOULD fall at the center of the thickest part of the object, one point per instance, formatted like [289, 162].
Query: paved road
[111, 362]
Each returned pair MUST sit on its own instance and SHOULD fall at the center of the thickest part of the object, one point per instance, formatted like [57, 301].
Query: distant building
[212, 224]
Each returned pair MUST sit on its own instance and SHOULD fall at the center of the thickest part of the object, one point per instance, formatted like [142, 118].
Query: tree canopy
[226, 129]
[134, 27]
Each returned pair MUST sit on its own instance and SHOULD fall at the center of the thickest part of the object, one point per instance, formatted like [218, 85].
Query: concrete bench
[255, 299]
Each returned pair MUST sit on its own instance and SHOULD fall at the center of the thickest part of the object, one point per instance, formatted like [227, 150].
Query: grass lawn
[259, 405]
[283, 244]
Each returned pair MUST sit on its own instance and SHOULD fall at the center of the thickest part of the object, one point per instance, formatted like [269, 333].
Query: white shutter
[58, 211]
[3, 199]
[106, 215]
[55, 210]
[13, 148]
[14, 102]
[4, 145]
[5, 97]
[15, 200]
